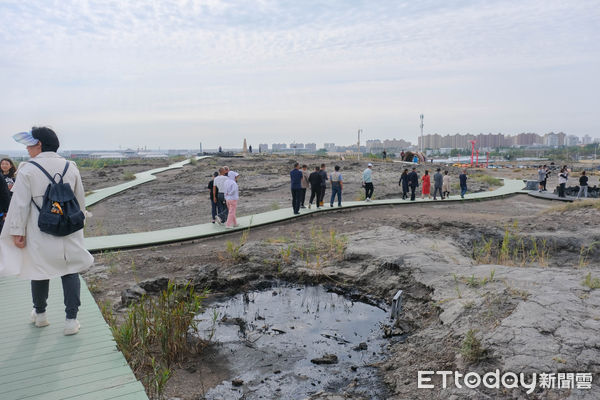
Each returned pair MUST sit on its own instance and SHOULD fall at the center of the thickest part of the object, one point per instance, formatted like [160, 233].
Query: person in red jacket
[426, 185]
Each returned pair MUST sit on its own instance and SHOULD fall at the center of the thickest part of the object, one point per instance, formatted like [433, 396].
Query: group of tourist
[301, 180]
[224, 195]
[563, 177]
[441, 184]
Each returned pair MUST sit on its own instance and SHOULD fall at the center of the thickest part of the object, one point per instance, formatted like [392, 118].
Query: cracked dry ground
[535, 317]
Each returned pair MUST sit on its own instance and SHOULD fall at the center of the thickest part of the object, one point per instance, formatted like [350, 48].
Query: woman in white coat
[27, 252]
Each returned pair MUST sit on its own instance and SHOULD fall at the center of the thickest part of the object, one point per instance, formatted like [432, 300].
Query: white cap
[369, 165]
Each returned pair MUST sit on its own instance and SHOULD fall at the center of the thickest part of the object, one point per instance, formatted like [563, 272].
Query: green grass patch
[157, 333]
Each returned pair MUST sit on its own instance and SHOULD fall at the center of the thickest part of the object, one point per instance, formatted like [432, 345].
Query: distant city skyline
[172, 74]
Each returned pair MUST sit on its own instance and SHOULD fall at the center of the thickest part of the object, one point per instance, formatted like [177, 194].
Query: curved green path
[130, 240]
[140, 178]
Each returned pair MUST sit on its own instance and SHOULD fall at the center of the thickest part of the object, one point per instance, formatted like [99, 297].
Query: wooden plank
[42, 363]
[77, 388]
[128, 391]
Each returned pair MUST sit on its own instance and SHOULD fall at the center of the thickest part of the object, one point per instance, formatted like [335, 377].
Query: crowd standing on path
[30, 253]
[224, 190]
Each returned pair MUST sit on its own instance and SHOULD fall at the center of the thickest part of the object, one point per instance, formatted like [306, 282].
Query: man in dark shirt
[463, 183]
[315, 186]
[438, 180]
[324, 179]
[413, 182]
[213, 196]
[296, 179]
[583, 185]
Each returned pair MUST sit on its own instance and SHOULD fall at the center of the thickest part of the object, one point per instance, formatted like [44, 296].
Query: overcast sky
[172, 74]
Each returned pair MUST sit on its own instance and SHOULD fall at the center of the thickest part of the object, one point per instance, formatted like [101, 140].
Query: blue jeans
[463, 190]
[336, 191]
[71, 291]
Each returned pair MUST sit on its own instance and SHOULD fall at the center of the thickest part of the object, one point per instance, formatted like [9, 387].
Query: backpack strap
[42, 169]
[50, 176]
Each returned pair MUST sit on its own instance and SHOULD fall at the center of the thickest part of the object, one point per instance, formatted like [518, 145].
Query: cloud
[220, 62]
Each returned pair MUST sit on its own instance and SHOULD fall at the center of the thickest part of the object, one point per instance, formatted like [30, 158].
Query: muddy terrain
[180, 197]
[487, 285]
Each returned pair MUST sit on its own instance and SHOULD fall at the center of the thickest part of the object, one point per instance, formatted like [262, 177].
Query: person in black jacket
[324, 179]
[583, 185]
[404, 183]
[215, 193]
[413, 182]
[5, 196]
[315, 179]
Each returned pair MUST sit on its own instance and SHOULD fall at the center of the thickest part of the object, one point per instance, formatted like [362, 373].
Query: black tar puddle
[270, 337]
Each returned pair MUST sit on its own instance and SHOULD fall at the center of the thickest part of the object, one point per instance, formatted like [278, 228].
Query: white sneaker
[71, 327]
[218, 219]
[40, 320]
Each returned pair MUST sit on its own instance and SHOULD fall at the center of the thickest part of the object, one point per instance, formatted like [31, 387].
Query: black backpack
[60, 214]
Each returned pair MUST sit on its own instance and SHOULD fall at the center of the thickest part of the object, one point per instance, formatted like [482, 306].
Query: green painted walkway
[43, 364]
[140, 178]
[100, 243]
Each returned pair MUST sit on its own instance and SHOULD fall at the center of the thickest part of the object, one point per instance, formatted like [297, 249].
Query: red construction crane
[473, 151]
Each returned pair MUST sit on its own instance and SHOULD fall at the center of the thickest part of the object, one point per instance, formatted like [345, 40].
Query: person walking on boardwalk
[231, 197]
[563, 177]
[426, 189]
[404, 183]
[548, 172]
[213, 199]
[438, 181]
[583, 185]
[367, 180]
[446, 185]
[305, 184]
[337, 185]
[462, 178]
[413, 182]
[541, 177]
[219, 195]
[296, 181]
[315, 187]
[29, 253]
[323, 173]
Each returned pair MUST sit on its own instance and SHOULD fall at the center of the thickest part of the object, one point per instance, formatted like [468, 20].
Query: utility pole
[358, 143]
[422, 132]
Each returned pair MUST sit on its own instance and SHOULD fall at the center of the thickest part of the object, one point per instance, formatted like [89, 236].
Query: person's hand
[19, 241]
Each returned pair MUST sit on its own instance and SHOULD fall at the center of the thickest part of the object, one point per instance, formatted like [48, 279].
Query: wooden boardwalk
[42, 363]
